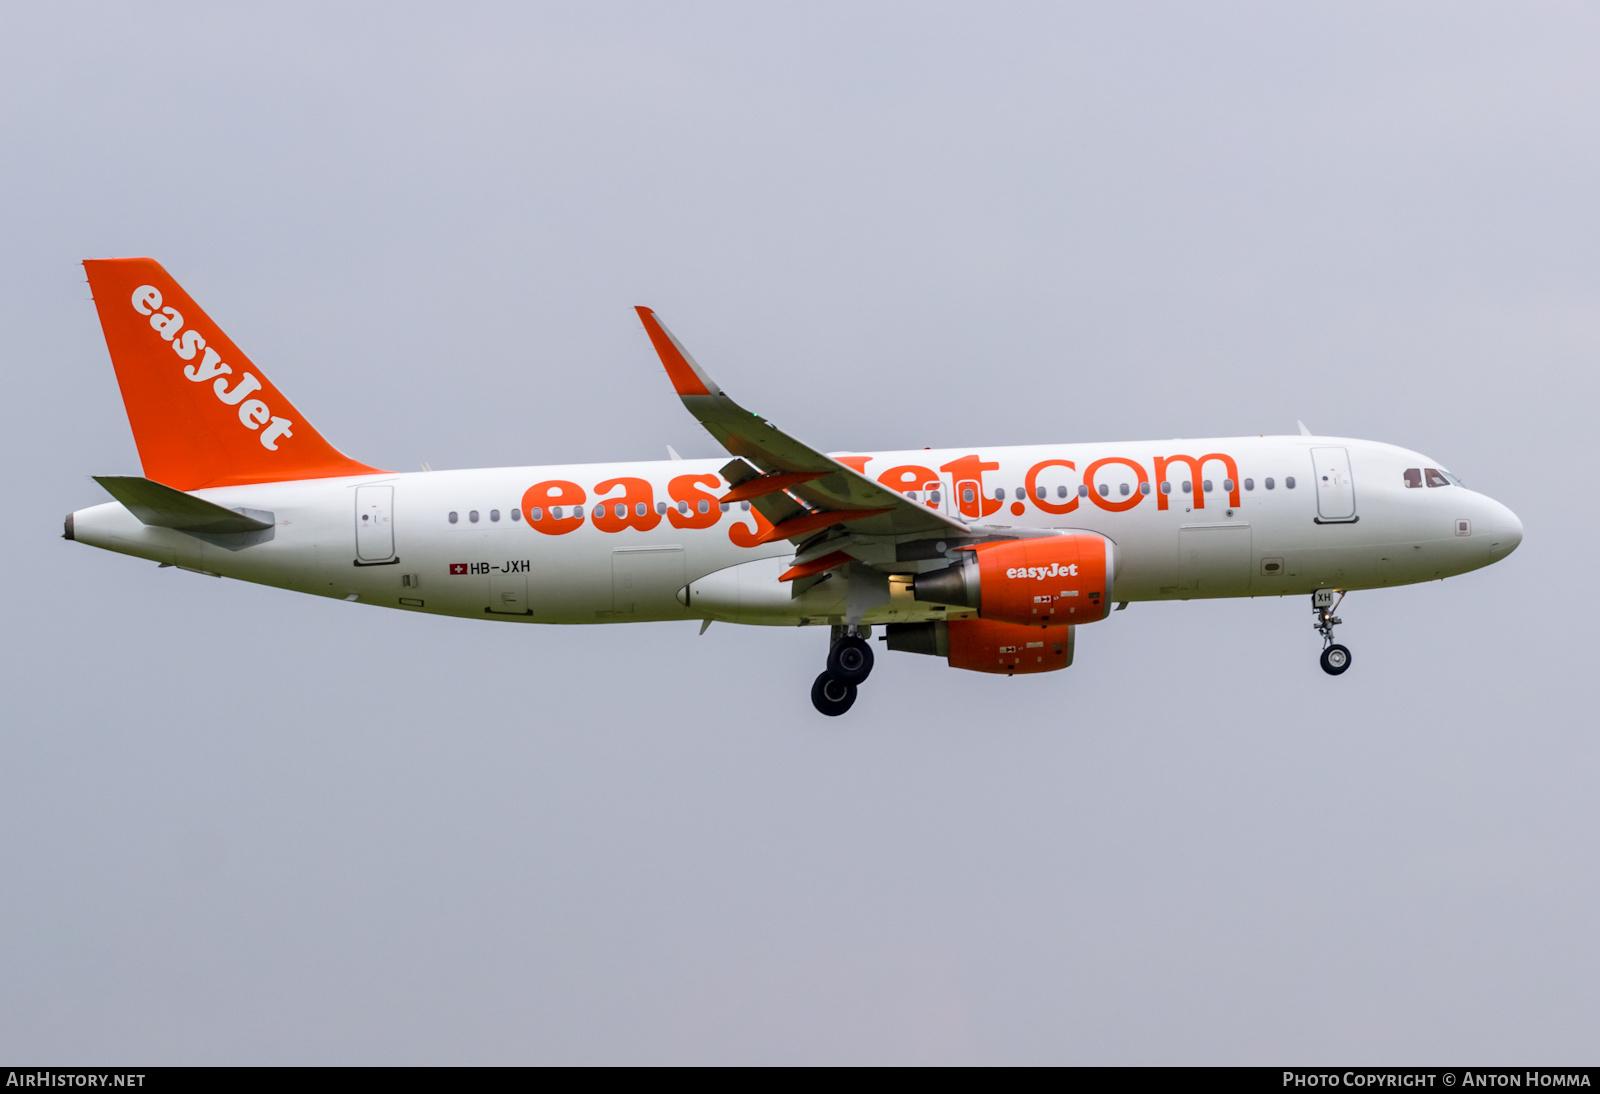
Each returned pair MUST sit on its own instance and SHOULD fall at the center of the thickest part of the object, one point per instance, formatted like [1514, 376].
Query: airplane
[990, 558]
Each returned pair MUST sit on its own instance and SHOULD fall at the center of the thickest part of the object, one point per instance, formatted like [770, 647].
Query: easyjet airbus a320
[991, 558]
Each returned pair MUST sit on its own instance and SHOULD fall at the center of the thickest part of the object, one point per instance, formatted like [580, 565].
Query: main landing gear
[849, 663]
[1335, 658]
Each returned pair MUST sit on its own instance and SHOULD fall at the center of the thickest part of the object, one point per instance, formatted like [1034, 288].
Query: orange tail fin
[202, 413]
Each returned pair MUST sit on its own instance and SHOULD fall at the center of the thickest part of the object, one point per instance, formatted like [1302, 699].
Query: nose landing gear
[849, 663]
[1335, 658]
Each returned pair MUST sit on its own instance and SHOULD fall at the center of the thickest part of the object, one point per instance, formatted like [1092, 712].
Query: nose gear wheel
[1335, 658]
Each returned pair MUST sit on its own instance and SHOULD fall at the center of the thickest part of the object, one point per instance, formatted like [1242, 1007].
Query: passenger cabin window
[1249, 484]
[1083, 490]
[494, 515]
[1021, 493]
[1227, 486]
[1061, 491]
[1144, 488]
[536, 513]
[1123, 489]
[999, 493]
[1269, 484]
[968, 497]
[1434, 478]
[1188, 487]
[1207, 485]
[516, 514]
[473, 516]
[1166, 488]
[1042, 491]
[454, 516]
[1413, 477]
[1288, 482]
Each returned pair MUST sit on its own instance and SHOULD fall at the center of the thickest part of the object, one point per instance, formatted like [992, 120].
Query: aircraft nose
[1505, 530]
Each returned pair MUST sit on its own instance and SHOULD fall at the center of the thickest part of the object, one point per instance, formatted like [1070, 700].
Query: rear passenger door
[374, 524]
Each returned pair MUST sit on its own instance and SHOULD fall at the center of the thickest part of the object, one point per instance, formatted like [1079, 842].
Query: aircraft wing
[800, 491]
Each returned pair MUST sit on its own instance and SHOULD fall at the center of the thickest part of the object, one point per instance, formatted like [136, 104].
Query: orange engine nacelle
[982, 645]
[1047, 581]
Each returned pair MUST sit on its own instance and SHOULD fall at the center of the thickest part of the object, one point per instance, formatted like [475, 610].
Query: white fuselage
[1348, 522]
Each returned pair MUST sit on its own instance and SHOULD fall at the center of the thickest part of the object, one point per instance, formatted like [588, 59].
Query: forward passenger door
[1336, 491]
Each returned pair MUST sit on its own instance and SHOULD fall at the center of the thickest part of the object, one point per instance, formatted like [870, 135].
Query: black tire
[1335, 659]
[850, 659]
[832, 696]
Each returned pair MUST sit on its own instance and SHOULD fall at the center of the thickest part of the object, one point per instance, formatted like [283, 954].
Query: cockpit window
[1435, 478]
[1413, 478]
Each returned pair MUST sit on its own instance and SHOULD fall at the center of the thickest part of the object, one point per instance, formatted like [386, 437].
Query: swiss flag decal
[458, 568]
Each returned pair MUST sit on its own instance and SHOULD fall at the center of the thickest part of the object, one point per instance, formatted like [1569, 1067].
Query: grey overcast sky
[240, 825]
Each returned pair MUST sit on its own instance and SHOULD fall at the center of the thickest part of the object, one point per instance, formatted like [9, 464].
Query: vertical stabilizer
[202, 413]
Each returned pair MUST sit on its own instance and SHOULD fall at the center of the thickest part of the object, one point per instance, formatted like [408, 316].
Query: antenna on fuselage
[1304, 432]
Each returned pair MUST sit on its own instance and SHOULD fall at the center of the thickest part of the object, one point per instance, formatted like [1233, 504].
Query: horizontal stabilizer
[164, 507]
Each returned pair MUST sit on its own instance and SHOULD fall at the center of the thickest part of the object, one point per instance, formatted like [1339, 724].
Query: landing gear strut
[849, 663]
[1335, 658]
